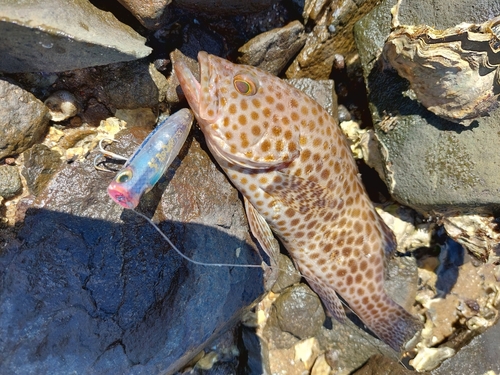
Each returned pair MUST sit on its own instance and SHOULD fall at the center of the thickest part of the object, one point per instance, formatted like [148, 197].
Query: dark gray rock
[430, 163]
[225, 7]
[90, 288]
[23, 119]
[55, 36]
[40, 164]
[478, 357]
[273, 50]
[10, 181]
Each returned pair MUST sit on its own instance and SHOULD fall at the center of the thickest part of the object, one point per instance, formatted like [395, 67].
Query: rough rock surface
[273, 50]
[430, 163]
[150, 14]
[91, 288]
[480, 356]
[54, 36]
[331, 35]
[381, 365]
[10, 181]
[23, 119]
[225, 7]
[40, 163]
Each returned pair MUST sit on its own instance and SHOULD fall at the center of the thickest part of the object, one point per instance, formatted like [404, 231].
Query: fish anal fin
[263, 234]
[330, 299]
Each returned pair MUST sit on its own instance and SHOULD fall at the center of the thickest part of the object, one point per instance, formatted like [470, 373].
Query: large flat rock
[55, 36]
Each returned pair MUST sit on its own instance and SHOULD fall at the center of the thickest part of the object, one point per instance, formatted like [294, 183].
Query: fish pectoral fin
[262, 232]
[300, 194]
[330, 299]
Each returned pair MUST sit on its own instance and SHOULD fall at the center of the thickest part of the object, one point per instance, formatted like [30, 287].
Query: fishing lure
[151, 159]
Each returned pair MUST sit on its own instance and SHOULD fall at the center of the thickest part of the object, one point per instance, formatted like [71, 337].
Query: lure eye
[124, 176]
[245, 85]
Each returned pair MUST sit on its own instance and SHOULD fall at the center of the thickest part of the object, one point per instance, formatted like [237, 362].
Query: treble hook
[106, 154]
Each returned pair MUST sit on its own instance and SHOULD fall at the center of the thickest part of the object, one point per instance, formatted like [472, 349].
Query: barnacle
[454, 72]
[62, 105]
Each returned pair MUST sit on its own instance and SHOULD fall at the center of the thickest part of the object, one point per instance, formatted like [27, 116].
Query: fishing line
[248, 266]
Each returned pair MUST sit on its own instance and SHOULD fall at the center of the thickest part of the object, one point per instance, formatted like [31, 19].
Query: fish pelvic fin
[262, 232]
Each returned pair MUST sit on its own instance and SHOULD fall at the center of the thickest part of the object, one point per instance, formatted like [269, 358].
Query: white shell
[62, 105]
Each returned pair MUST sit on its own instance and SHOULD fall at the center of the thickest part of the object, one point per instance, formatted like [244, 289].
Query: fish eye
[124, 176]
[244, 84]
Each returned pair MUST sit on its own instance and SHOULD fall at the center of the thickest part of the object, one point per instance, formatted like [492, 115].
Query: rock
[273, 50]
[480, 356]
[40, 164]
[323, 91]
[132, 85]
[151, 14]
[298, 311]
[55, 36]
[331, 35]
[430, 164]
[10, 181]
[174, 92]
[287, 274]
[103, 90]
[88, 287]
[344, 114]
[296, 360]
[225, 7]
[381, 365]
[23, 119]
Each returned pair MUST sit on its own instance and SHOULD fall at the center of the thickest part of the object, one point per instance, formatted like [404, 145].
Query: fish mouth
[122, 196]
[193, 90]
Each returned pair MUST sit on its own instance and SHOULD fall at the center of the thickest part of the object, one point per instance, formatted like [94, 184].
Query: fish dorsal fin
[300, 194]
[262, 232]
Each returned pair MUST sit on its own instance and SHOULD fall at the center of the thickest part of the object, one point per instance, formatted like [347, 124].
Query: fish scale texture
[289, 159]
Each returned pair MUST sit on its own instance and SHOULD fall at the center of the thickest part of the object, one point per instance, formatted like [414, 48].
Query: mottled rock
[299, 311]
[287, 274]
[331, 35]
[430, 164]
[54, 36]
[151, 14]
[380, 365]
[103, 90]
[10, 181]
[40, 164]
[480, 356]
[273, 50]
[174, 92]
[91, 288]
[323, 91]
[23, 119]
[225, 7]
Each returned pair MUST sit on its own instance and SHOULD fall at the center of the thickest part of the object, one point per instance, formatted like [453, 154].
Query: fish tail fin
[396, 327]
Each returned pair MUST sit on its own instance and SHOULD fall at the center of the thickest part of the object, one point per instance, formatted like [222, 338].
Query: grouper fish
[290, 161]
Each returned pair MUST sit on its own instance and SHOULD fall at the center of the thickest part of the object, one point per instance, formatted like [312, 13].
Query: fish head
[248, 116]
[122, 190]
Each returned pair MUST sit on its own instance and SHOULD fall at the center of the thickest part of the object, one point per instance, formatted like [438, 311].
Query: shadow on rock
[82, 295]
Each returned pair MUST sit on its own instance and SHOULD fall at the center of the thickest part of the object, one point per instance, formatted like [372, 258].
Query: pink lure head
[122, 196]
